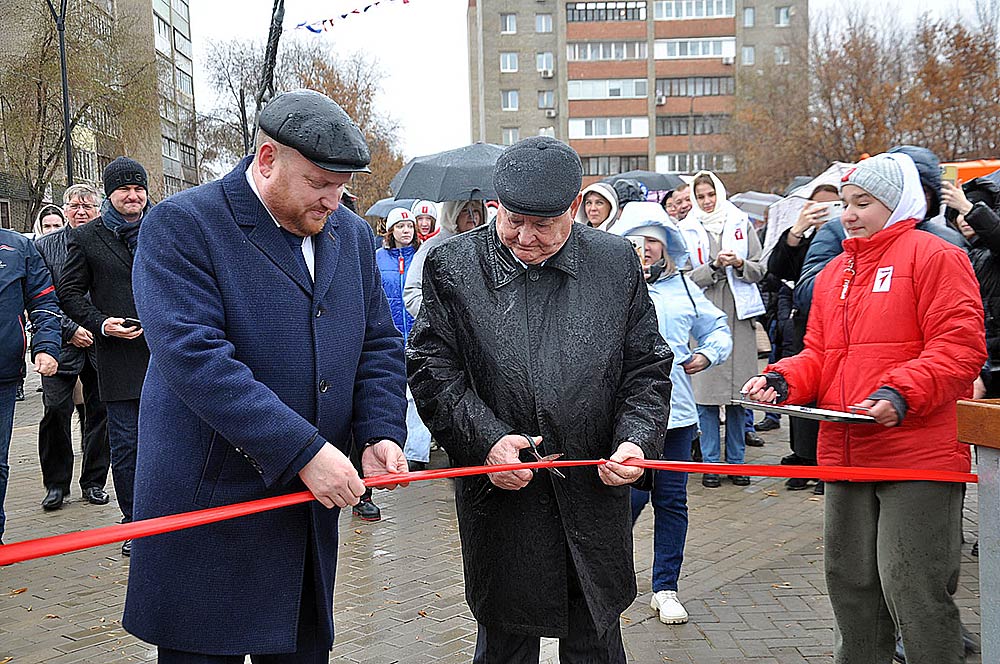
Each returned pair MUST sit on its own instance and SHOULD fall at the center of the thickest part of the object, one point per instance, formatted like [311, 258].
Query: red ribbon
[50, 546]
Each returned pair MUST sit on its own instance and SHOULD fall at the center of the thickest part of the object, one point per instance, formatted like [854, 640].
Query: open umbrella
[653, 181]
[381, 207]
[462, 174]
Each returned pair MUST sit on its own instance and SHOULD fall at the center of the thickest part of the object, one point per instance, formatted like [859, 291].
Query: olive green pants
[893, 551]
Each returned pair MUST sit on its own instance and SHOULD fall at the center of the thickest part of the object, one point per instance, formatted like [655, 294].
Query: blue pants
[7, 392]
[123, 437]
[708, 417]
[670, 510]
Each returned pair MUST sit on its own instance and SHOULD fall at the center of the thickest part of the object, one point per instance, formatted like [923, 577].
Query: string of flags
[328, 23]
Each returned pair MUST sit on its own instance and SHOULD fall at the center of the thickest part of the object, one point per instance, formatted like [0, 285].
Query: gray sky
[421, 47]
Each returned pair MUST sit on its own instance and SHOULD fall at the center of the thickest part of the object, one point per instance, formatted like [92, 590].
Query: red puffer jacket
[909, 317]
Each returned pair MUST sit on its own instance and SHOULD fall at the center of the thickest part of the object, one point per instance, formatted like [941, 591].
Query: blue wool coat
[252, 367]
[392, 283]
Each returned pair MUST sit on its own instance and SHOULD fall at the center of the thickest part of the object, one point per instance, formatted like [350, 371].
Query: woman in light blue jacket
[683, 313]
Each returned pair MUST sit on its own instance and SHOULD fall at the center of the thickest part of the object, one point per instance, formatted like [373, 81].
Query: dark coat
[99, 264]
[569, 351]
[53, 248]
[985, 257]
[253, 368]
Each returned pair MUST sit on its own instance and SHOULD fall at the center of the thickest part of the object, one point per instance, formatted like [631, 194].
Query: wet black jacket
[569, 351]
[985, 257]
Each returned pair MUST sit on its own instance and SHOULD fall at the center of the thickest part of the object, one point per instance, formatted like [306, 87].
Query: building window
[511, 135]
[171, 185]
[676, 49]
[578, 12]
[162, 7]
[188, 155]
[681, 9]
[591, 51]
[637, 127]
[543, 22]
[613, 165]
[547, 131]
[748, 17]
[544, 61]
[508, 24]
[546, 99]
[681, 125]
[748, 55]
[615, 88]
[184, 82]
[182, 43]
[684, 162]
[782, 16]
[163, 31]
[508, 62]
[696, 86]
[171, 149]
[5, 220]
[781, 55]
[508, 100]
[85, 163]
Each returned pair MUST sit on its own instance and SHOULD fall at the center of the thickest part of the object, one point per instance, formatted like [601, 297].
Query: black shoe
[53, 500]
[417, 465]
[95, 495]
[19, 393]
[767, 424]
[366, 510]
[975, 549]
[753, 440]
[711, 481]
[740, 480]
[797, 484]
[900, 654]
[793, 460]
[127, 548]
[819, 489]
[696, 450]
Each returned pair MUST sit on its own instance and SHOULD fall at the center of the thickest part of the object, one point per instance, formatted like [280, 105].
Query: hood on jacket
[605, 191]
[912, 203]
[978, 190]
[929, 170]
[47, 209]
[648, 219]
[448, 221]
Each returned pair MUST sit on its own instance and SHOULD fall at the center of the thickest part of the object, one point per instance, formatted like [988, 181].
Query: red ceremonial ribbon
[50, 546]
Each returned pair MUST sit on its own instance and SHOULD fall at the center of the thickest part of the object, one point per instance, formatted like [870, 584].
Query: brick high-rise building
[638, 84]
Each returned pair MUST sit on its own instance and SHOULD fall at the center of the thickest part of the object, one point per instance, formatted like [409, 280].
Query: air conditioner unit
[551, 113]
[661, 100]
[728, 60]
[546, 73]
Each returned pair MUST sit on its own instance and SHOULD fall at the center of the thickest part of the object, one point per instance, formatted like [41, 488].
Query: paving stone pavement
[752, 579]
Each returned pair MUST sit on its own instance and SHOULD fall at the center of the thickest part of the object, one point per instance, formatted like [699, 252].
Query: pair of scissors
[538, 456]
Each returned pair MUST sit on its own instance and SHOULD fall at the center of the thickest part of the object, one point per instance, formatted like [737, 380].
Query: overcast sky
[421, 47]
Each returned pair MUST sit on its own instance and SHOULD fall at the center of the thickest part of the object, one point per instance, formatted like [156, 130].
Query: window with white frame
[604, 50]
[547, 131]
[637, 127]
[544, 61]
[188, 155]
[543, 22]
[696, 86]
[682, 9]
[677, 49]
[508, 100]
[782, 16]
[683, 162]
[748, 55]
[510, 135]
[749, 17]
[699, 125]
[578, 12]
[508, 24]
[614, 88]
[614, 164]
[508, 62]
[163, 32]
[546, 99]
[781, 55]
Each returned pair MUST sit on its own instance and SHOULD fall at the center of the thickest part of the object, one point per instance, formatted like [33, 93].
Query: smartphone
[833, 210]
[949, 173]
[639, 243]
[131, 322]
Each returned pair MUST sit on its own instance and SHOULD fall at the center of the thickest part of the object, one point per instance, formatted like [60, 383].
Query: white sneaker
[669, 607]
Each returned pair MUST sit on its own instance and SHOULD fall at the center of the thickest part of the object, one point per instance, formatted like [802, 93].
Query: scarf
[126, 231]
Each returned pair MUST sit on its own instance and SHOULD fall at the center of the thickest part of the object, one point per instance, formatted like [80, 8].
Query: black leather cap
[318, 128]
[538, 177]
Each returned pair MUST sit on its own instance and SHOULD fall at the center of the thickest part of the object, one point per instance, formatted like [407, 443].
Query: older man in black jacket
[99, 264]
[78, 359]
[536, 326]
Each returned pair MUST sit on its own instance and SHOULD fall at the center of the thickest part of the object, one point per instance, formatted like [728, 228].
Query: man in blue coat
[272, 351]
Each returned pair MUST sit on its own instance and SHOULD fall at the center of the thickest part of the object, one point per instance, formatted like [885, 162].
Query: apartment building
[638, 84]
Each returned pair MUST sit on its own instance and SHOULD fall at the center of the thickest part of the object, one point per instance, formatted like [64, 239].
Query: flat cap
[318, 128]
[538, 177]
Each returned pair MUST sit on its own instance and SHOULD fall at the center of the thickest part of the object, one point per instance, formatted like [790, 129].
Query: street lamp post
[60, 19]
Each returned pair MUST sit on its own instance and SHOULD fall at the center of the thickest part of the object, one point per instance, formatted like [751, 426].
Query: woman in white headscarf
[726, 263]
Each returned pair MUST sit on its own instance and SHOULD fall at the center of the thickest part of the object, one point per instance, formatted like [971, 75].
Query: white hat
[647, 219]
[422, 208]
[397, 215]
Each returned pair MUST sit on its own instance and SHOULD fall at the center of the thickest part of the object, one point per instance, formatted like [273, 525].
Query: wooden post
[979, 425]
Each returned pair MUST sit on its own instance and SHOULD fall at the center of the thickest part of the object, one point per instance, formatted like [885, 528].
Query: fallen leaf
[5, 660]
[357, 530]
[422, 614]
[781, 585]
[18, 591]
[770, 493]
[51, 615]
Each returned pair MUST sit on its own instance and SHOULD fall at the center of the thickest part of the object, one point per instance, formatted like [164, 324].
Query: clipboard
[821, 414]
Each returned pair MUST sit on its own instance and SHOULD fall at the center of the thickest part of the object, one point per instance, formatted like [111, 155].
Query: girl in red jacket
[896, 326]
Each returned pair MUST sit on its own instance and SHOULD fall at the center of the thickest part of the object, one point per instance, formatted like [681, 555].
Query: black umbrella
[462, 174]
[381, 207]
[653, 181]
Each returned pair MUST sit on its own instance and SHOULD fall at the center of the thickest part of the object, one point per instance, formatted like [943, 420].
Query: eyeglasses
[82, 206]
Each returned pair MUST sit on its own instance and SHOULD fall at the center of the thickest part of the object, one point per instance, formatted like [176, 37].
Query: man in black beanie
[96, 292]
[537, 336]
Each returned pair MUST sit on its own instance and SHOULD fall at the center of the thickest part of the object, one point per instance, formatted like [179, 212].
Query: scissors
[538, 455]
